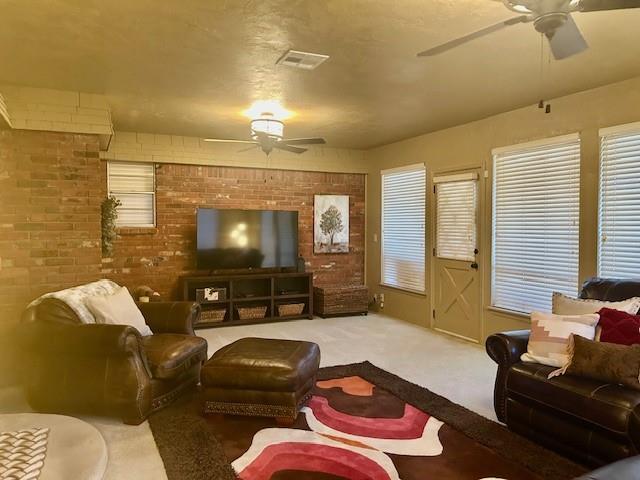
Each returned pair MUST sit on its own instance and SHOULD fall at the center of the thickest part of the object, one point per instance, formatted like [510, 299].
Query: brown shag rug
[362, 422]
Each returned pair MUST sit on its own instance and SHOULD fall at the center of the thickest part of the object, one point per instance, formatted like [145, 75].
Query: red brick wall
[49, 215]
[51, 186]
[158, 257]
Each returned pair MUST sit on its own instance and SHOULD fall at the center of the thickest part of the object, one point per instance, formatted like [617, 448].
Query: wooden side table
[336, 301]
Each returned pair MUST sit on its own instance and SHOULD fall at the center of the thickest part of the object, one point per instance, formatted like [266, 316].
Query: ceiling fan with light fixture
[267, 134]
[550, 17]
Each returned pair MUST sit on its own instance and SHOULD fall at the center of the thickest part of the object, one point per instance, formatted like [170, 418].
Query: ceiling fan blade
[567, 40]
[304, 141]
[599, 5]
[247, 149]
[289, 148]
[222, 140]
[472, 36]
[261, 136]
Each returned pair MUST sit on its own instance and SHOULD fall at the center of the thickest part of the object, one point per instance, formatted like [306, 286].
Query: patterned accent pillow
[564, 305]
[550, 335]
[602, 361]
[619, 327]
[23, 453]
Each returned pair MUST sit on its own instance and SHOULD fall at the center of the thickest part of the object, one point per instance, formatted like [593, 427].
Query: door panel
[457, 298]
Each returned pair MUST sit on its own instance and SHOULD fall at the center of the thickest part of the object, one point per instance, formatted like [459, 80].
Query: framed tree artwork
[331, 224]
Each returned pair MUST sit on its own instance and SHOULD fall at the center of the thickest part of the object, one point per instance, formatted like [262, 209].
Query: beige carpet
[457, 370]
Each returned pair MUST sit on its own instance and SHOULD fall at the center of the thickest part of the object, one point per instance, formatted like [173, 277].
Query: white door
[457, 293]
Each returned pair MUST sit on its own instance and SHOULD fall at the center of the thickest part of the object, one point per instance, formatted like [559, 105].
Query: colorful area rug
[362, 423]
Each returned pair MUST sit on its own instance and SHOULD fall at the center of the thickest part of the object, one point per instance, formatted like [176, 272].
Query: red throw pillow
[619, 327]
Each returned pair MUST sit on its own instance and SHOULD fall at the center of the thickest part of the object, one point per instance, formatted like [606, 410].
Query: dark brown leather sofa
[110, 369]
[593, 422]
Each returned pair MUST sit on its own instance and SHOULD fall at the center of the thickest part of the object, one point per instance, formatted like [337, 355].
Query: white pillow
[565, 305]
[549, 338]
[118, 309]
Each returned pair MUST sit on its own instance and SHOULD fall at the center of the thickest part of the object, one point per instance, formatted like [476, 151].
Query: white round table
[75, 449]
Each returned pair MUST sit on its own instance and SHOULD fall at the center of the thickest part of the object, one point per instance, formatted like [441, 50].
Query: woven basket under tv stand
[253, 289]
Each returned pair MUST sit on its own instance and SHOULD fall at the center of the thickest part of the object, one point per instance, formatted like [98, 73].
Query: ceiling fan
[551, 17]
[267, 134]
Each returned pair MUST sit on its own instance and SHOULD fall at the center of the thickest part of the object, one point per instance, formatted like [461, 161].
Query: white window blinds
[456, 201]
[536, 200]
[403, 228]
[134, 185]
[619, 213]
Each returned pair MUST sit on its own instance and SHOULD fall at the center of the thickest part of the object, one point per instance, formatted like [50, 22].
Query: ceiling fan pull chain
[541, 103]
[548, 107]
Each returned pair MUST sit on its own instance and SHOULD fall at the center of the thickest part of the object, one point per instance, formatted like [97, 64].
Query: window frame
[111, 192]
[544, 142]
[628, 128]
[448, 178]
[416, 167]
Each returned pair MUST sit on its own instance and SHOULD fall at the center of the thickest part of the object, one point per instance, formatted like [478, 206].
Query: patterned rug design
[361, 423]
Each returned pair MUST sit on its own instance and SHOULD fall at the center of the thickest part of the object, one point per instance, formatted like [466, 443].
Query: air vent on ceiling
[302, 60]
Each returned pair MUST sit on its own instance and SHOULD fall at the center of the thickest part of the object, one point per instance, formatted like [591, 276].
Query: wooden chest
[341, 300]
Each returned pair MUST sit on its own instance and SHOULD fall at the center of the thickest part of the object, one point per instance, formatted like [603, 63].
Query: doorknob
[474, 265]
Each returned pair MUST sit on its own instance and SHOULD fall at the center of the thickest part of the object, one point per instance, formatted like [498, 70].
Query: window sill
[402, 290]
[127, 231]
[512, 313]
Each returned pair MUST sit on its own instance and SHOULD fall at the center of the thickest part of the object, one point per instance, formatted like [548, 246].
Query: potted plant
[109, 212]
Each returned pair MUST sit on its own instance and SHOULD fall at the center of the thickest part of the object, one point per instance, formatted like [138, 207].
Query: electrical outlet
[381, 296]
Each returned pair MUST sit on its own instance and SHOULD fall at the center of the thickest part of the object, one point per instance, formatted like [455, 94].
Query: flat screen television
[245, 239]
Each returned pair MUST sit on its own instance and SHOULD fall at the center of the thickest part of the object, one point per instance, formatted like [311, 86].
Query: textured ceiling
[191, 67]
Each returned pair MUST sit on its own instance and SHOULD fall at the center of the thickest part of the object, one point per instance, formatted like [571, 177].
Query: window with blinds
[456, 230]
[403, 228]
[536, 201]
[619, 212]
[134, 185]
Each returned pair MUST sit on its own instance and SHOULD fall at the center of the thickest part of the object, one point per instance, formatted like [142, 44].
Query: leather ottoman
[260, 377]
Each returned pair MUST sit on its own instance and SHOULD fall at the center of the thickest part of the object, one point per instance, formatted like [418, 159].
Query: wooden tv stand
[248, 290]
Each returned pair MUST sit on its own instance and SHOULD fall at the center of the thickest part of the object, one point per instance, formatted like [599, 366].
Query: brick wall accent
[49, 214]
[51, 186]
[157, 257]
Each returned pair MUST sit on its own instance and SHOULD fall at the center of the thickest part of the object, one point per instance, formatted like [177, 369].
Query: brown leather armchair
[110, 369]
[591, 421]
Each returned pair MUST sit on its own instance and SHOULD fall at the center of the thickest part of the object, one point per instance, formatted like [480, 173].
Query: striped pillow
[550, 334]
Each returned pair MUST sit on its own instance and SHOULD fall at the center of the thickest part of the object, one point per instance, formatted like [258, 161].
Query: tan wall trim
[58, 111]
[147, 147]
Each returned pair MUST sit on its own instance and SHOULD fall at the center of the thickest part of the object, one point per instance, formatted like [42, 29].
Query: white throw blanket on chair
[74, 297]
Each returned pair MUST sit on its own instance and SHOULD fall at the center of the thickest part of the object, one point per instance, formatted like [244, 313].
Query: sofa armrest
[505, 349]
[171, 317]
[86, 369]
[79, 339]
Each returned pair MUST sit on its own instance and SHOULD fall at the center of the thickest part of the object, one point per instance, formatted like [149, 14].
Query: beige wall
[470, 145]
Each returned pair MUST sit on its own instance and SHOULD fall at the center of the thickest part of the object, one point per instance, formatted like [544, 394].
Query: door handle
[474, 265]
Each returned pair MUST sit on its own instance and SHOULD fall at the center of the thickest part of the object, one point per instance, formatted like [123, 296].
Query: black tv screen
[241, 239]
